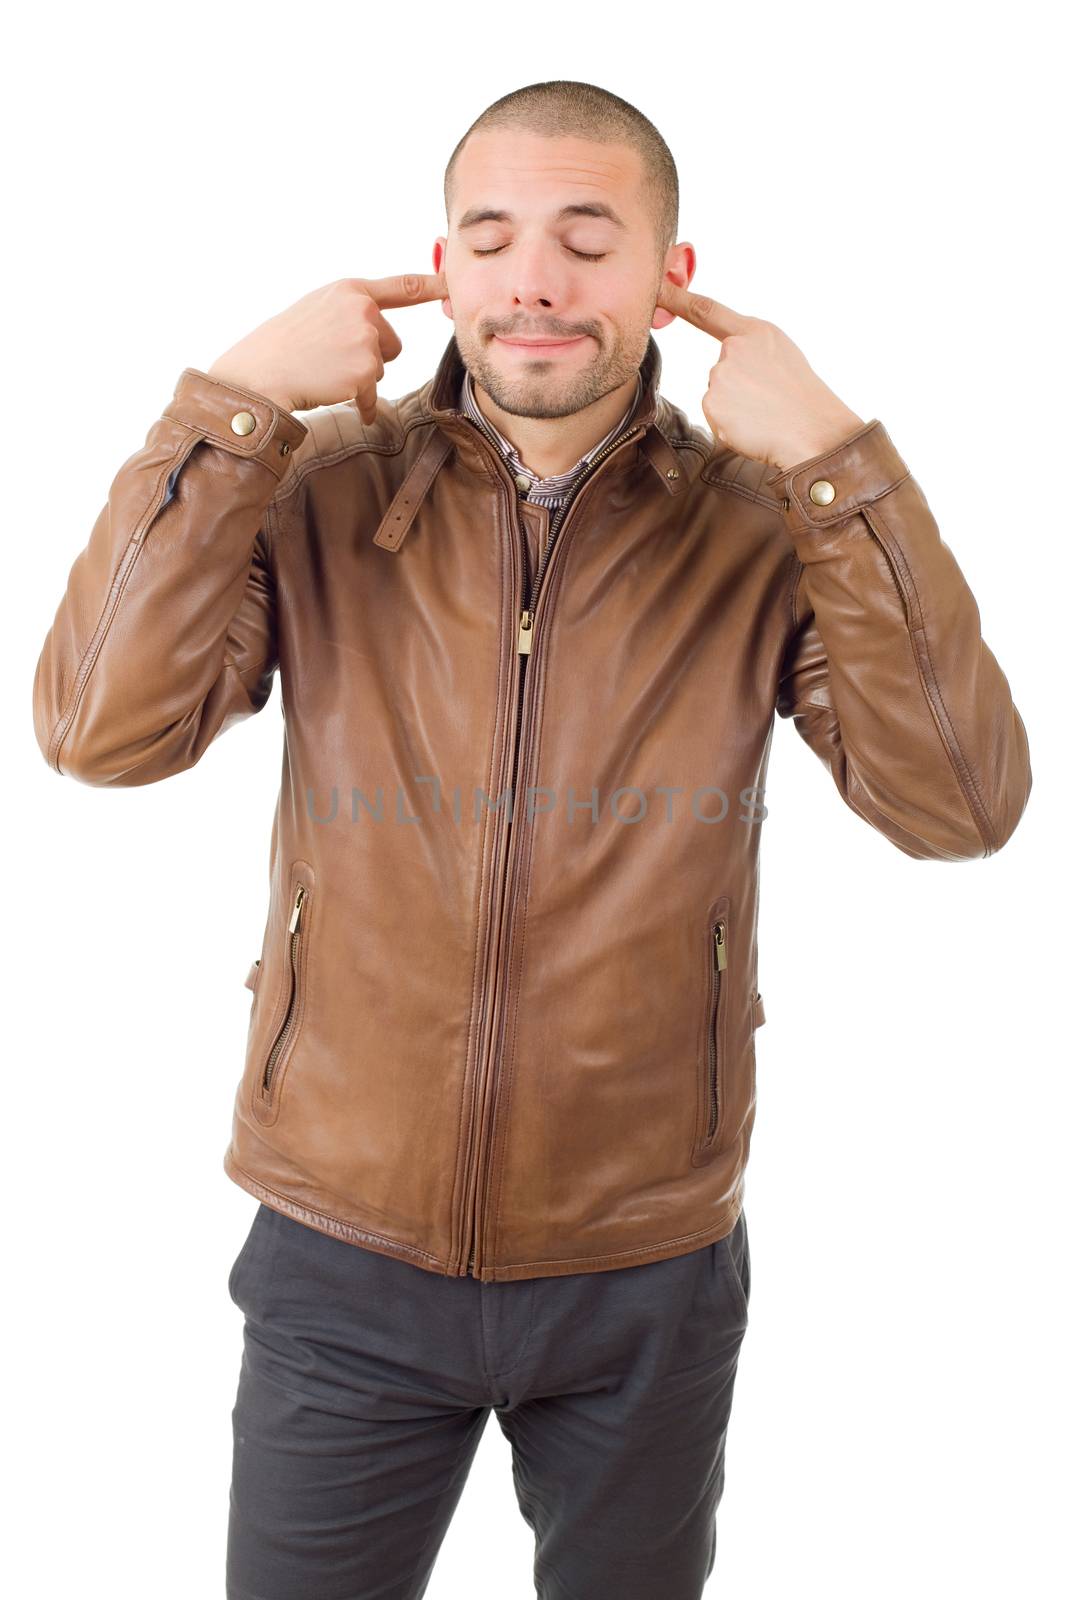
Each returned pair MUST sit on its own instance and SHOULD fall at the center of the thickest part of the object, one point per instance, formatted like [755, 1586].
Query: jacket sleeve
[886, 675]
[165, 635]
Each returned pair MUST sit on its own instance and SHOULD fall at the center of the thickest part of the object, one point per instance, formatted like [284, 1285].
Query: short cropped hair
[563, 107]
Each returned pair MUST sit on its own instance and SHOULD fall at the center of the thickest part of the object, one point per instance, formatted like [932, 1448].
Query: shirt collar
[470, 405]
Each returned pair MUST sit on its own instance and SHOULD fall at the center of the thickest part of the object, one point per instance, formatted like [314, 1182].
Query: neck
[549, 445]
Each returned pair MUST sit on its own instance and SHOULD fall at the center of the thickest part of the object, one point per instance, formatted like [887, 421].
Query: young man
[533, 629]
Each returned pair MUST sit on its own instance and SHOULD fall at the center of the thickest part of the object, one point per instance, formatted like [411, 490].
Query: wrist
[817, 443]
[268, 388]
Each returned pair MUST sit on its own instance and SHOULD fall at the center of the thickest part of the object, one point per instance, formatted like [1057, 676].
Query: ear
[679, 267]
[438, 257]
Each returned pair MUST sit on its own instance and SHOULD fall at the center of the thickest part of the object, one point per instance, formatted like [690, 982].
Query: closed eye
[581, 254]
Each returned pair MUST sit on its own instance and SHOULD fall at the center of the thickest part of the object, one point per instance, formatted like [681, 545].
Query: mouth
[541, 347]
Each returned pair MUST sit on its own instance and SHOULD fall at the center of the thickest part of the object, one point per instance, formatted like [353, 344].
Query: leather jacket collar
[438, 401]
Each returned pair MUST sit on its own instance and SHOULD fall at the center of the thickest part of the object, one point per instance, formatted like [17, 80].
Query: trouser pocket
[245, 1255]
[732, 1259]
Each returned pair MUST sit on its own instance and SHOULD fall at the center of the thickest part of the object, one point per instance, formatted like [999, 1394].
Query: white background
[881, 182]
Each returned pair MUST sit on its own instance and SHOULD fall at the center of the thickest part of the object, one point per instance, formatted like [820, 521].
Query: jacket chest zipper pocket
[714, 1025]
[291, 1013]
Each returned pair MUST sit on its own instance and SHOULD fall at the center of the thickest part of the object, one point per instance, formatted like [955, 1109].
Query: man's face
[517, 265]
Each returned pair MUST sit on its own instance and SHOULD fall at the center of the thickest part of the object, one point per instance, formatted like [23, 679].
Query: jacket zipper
[481, 1149]
[718, 967]
[526, 619]
[290, 1010]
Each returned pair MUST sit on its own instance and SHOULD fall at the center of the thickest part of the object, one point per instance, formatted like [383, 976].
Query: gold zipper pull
[720, 946]
[297, 903]
[525, 633]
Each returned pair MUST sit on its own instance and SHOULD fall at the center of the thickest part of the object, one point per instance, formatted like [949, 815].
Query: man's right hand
[332, 345]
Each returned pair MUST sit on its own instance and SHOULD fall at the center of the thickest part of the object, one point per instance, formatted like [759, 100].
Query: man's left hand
[763, 398]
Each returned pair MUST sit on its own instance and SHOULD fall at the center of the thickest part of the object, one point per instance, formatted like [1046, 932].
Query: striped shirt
[552, 491]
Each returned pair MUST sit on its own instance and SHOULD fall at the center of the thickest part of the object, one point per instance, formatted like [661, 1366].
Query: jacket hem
[325, 1223]
[638, 1256]
[558, 1267]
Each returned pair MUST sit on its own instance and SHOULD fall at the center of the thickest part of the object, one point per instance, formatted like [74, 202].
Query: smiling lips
[540, 346]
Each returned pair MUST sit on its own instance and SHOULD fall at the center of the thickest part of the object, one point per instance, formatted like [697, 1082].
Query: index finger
[406, 289]
[711, 316]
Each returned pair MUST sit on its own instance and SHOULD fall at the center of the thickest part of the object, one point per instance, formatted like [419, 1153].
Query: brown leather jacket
[518, 1040]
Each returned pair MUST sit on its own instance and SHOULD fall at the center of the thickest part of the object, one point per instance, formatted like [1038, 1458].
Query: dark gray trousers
[366, 1382]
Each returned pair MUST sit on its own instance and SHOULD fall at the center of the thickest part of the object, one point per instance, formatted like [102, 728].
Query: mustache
[541, 333]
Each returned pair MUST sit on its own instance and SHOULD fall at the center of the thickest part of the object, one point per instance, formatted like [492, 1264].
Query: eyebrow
[587, 208]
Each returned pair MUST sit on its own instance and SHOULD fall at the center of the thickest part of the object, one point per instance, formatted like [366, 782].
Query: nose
[539, 281]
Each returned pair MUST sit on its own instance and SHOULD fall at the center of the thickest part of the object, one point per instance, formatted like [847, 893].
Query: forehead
[528, 174]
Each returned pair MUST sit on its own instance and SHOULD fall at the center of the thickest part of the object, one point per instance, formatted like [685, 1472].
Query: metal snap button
[243, 422]
[822, 492]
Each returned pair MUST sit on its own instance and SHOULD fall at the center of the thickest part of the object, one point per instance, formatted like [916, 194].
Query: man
[533, 628]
